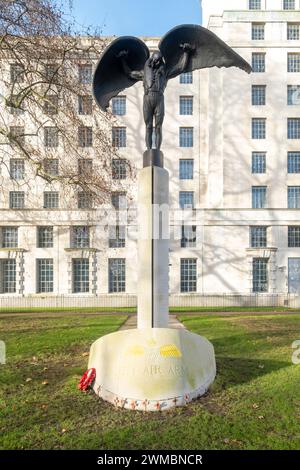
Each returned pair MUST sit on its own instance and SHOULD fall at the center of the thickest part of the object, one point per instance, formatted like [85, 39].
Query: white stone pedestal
[152, 369]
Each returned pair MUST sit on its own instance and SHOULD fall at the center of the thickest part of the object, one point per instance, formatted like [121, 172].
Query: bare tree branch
[40, 54]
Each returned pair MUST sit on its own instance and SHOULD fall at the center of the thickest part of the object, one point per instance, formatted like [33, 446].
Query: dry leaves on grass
[232, 442]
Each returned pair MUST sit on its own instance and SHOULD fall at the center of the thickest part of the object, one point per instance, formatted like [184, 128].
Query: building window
[16, 200]
[85, 104]
[85, 136]
[259, 197]
[186, 200]
[293, 31]
[17, 73]
[7, 276]
[294, 197]
[17, 135]
[51, 166]
[51, 105]
[44, 275]
[260, 274]
[293, 162]
[9, 237]
[188, 275]
[85, 74]
[293, 95]
[254, 4]
[117, 275]
[289, 4]
[81, 274]
[258, 31]
[80, 236]
[258, 128]
[17, 169]
[119, 169]
[186, 78]
[51, 71]
[14, 106]
[119, 137]
[258, 162]
[118, 200]
[117, 235]
[51, 137]
[294, 62]
[258, 62]
[186, 136]
[119, 106]
[85, 166]
[186, 105]
[186, 169]
[188, 236]
[84, 200]
[258, 237]
[45, 237]
[258, 95]
[50, 200]
[294, 236]
[293, 128]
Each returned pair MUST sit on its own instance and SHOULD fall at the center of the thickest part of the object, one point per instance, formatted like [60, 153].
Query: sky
[136, 17]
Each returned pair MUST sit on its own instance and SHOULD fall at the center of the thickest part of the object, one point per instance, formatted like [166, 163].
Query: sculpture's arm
[133, 74]
[182, 64]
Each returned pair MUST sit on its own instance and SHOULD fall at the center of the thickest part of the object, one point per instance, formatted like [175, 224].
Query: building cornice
[240, 16]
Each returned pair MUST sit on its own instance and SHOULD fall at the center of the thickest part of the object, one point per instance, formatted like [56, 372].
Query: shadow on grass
[233, 371]
[250, 344]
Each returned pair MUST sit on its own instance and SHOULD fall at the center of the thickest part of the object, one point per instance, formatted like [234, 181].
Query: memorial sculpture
[153, 367]
[183, 49]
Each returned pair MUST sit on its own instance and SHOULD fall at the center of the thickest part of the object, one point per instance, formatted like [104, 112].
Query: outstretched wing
[210, 51]
[109, 77]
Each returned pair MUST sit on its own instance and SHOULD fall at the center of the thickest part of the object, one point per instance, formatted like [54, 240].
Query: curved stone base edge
[152, 369]
[150, 405]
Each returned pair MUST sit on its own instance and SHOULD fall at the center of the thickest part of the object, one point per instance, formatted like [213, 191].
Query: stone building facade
[232, 147]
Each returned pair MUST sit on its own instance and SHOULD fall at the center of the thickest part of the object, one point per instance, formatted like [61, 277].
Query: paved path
[131, 323]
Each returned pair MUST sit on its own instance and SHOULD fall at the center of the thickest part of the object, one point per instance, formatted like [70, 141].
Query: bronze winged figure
[183, 49]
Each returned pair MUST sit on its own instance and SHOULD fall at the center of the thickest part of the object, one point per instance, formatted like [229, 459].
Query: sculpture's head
[156, 59]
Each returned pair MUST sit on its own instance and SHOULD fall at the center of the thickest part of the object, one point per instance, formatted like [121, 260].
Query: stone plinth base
[152, 369]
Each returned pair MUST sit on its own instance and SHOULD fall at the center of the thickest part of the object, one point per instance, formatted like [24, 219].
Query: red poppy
[87, 379]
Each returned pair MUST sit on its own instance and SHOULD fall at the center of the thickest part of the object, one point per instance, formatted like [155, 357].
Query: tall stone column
[153, 242]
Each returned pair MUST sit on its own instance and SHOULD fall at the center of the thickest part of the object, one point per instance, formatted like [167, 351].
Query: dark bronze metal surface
[153, 157]
[183, 49]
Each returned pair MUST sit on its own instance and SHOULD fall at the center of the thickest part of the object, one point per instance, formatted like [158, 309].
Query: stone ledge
[93, 250]
[18, 250]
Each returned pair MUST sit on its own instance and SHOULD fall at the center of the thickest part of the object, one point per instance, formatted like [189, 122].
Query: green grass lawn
[253, 404]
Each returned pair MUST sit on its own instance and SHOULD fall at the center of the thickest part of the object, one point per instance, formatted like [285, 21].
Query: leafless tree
[47, 115]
